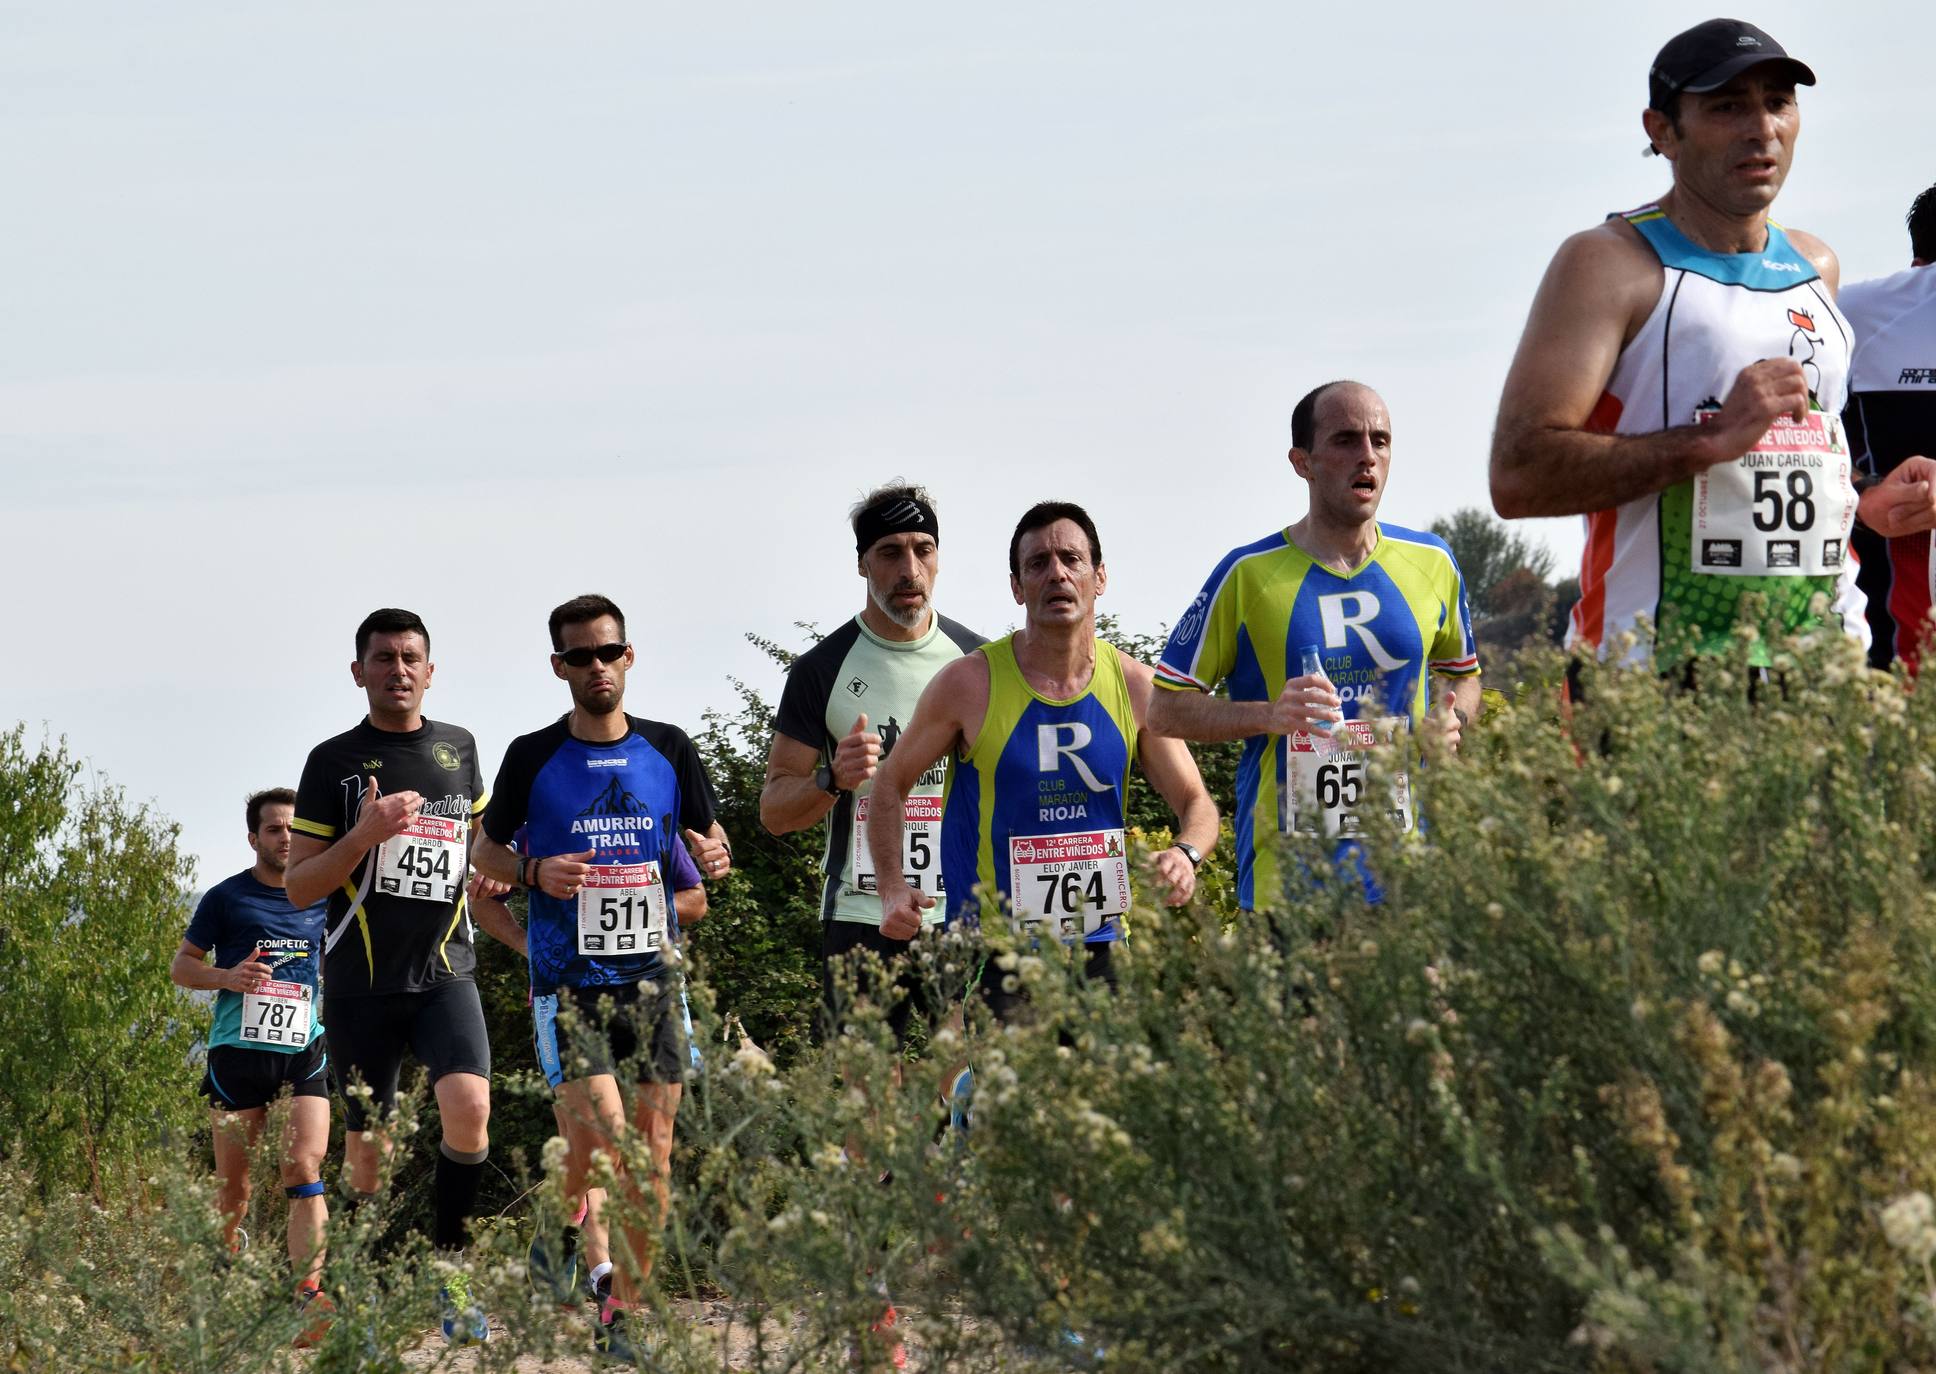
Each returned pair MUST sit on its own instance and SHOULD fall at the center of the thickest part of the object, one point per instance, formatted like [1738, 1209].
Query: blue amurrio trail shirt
[630, 802]
[234, 918]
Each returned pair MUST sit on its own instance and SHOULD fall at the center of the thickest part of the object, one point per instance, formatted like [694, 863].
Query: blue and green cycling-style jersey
[1383, 629]
[242, 914]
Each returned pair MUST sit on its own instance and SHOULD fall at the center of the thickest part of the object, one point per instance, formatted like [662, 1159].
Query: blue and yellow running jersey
[1379, 627]
[1038, 796]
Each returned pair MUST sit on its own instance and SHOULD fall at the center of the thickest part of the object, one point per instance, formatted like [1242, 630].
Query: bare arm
[1172, 771]
[318, 867]
[790, 799]
[191, 969]
[957, 692]
[494, 918]
[1208, 719]
[1599, 290]
[494, 860]
[690, 904]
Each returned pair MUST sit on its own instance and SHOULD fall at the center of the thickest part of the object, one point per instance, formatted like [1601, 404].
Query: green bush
[93, 900]
[1631, 1071]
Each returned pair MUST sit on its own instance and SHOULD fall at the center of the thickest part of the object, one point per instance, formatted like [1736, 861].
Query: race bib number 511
[622, 910]
[427, 861]
[1783, 509]
[1068, 883]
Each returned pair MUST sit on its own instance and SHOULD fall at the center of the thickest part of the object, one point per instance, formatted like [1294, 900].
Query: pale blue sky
[471, 308]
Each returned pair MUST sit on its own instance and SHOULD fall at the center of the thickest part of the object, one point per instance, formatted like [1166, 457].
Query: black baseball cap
[1708, 56]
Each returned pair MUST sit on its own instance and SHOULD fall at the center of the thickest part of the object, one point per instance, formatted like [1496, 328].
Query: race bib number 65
[1330, 789]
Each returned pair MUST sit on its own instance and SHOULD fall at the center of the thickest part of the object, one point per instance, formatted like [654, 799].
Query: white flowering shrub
[1630, 1070]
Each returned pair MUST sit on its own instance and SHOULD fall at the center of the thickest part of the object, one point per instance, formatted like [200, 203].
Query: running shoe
[619, 1337]
[961, 1099]
[464, 1321]
[317, 1313]
[552, 1263]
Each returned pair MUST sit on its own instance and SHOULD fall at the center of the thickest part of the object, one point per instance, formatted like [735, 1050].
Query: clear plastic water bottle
[1310, 663]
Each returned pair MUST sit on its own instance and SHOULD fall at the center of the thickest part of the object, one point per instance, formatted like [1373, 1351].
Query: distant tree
[1489, 551]
[94, 1039]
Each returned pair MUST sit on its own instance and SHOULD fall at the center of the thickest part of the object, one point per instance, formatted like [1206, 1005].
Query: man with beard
[268, 958]
[383, 830]
[603, 798]
[868, 673]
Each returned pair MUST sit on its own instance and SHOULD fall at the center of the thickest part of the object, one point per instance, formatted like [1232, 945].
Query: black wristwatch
[1190, 852]
[823, 778]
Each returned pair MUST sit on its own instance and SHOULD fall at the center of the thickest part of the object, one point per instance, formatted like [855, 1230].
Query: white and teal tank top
[1775, 522]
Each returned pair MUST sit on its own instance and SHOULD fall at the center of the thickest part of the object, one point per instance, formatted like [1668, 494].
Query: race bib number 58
[427, 861]
[1783, 509]
[1068, 883]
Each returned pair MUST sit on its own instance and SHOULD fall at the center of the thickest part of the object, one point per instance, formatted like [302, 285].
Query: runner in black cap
[1681, 375]
[1708, 56]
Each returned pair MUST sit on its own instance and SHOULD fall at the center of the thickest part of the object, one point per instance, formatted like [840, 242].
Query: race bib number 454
[1783, 509]
[1069, 883]
[427, 861]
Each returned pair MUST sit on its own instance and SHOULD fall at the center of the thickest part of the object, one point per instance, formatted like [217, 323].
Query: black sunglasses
[604, 653]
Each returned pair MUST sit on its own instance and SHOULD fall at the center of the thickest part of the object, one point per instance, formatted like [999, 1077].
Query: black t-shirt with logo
[399, 924]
